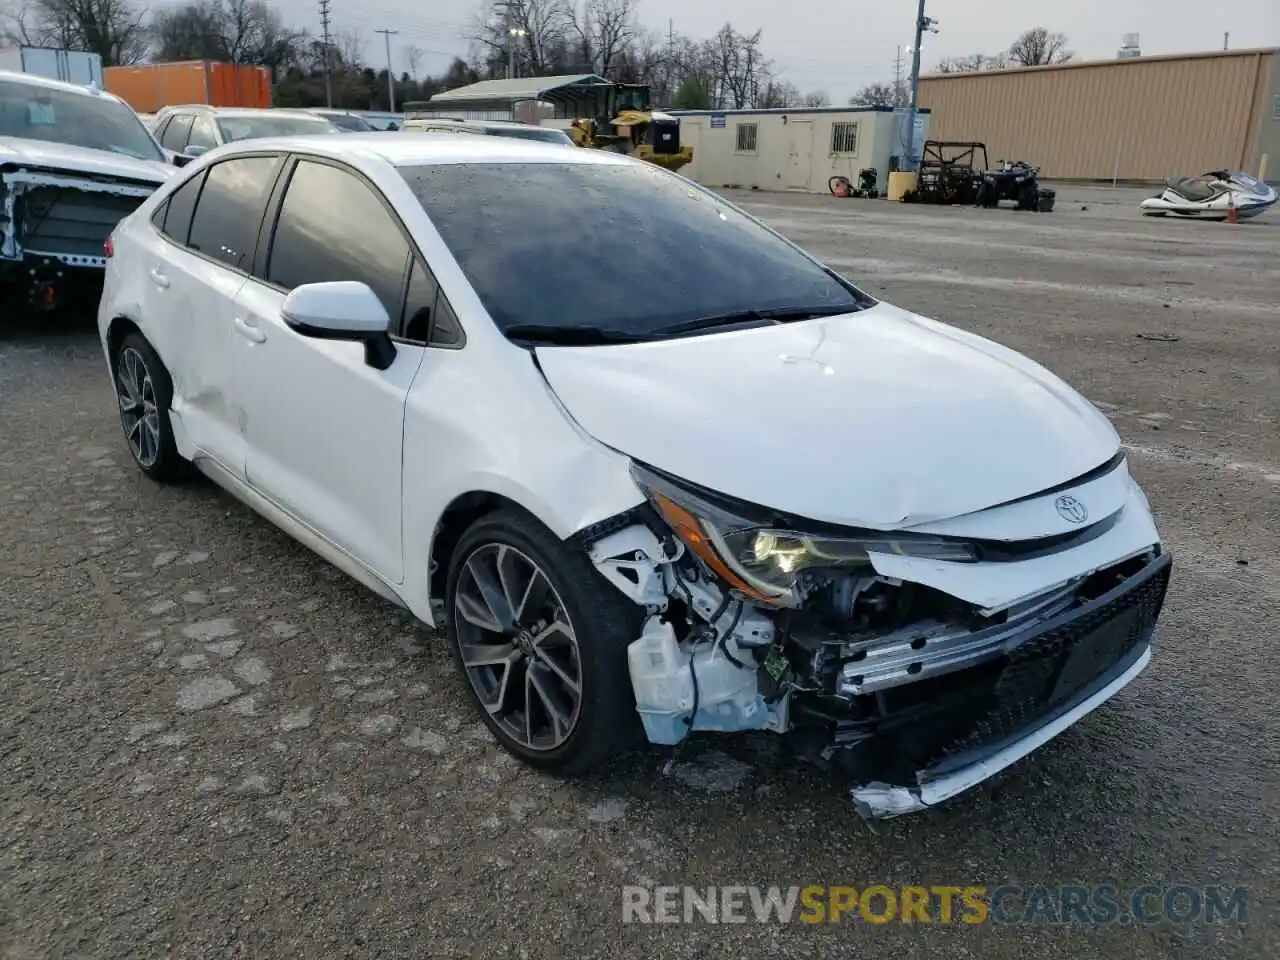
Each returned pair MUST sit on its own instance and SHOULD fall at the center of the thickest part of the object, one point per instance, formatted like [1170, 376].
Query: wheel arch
[464, 510]
[119, 328]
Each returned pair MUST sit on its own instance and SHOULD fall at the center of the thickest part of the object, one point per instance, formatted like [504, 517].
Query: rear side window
[229, 214]
[176, 221]
[175, 134]
[332, 226]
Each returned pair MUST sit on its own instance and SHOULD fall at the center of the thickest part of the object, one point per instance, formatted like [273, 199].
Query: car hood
[72, 159]
[878, 419]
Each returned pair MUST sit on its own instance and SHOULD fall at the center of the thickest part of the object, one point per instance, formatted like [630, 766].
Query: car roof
[408, 149]
[46, 83]
[490, 124]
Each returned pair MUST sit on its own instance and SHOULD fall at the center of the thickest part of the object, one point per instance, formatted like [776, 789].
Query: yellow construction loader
[618, 117]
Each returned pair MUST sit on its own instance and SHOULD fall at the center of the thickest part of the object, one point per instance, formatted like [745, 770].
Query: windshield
[250, 126]
[630, 249]
[348, 121]
[35, 112]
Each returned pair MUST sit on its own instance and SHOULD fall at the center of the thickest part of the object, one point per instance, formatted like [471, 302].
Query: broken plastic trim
[880, 801]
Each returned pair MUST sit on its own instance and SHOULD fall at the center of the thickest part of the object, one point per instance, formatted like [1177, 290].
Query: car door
[201, 251]
[324, 431]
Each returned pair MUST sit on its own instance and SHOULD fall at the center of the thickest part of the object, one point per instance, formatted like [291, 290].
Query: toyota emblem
[1071, 510]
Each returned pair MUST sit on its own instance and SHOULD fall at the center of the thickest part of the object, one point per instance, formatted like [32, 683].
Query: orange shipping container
[151, 86]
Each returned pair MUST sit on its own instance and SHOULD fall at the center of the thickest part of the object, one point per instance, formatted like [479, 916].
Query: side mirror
[196, 150]
[342, 310]
[178, 160]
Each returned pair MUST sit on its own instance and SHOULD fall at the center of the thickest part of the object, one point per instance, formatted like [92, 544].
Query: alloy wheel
[518, 646]
[139, 414]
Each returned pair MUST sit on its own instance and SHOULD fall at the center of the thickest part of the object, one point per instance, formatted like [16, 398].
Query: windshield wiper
[739, 317]
[566, 336]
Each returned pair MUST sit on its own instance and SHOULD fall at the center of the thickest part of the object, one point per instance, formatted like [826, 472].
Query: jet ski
[1211, 196]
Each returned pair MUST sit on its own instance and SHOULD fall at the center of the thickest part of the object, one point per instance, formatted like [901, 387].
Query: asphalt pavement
[213, 744]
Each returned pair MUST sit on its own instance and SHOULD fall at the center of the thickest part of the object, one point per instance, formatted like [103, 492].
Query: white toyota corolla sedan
[653, 468]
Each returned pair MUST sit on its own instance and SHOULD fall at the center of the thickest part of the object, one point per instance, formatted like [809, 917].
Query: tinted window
[175, 134]
[546, 134]
[419, 303]
[202, 134]
[178, 211]
[36, 112]
[229, 213]
[625, 247]
[348, 121]
[332, 226]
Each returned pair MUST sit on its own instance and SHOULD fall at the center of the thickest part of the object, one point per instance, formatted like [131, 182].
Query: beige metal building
[1139, 119]
[793, 149]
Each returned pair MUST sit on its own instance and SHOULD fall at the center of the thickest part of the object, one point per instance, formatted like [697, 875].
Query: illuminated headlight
[764, 560]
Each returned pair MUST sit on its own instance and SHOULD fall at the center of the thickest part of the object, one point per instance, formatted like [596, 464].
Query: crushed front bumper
[1049, 678]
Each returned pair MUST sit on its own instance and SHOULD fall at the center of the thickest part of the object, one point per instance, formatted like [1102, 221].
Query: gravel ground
[212, 744]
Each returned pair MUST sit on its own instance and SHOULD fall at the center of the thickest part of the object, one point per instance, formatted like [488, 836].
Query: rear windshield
[35, 112]
[348, 121]
[530, 133]
[250, 127]
[628, 247]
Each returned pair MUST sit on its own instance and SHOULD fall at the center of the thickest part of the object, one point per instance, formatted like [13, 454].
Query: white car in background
[653, 468]
[73, 162]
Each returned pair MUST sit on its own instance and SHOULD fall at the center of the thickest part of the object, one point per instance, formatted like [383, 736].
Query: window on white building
[844, 137]
[747, 138]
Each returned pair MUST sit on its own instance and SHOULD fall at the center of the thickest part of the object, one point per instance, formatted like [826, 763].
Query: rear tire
[144, 392]
[520, 657]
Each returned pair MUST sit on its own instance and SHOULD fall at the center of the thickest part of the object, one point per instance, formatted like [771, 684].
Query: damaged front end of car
[53, 227]
[916, 663]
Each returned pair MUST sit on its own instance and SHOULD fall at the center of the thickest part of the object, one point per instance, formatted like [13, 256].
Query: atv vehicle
[1212, 196]
[1018, 182]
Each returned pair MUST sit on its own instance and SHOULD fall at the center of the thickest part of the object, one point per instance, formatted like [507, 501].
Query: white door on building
[799, 155]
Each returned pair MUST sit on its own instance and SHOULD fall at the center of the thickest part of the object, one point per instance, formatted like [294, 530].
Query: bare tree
[542, 37]
[413, 56]
[779, 94]
[602, 31]
[875, 95]
[1038, 47]
[741, 70]
[973, 63]
[816, 98]
[350, 46]
[113, 29]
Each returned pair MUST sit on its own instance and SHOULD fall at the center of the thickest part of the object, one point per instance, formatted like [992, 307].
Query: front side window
[229, 212]
[629, 249]
[253, 126]
[332, 226]
[175, 133]
[202, 134]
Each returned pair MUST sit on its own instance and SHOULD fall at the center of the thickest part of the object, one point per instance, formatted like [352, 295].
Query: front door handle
[158, 278]
[249, 331]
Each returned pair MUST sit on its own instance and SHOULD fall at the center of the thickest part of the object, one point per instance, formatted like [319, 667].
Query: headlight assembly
[765, 560]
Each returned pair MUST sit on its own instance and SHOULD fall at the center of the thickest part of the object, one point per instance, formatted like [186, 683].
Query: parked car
[654, 468]
[73, 162]
[194, 130]
[344, 120]
[493, 128]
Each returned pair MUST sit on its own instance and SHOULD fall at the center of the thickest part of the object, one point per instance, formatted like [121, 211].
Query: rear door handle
[158, 278]
[249, 331]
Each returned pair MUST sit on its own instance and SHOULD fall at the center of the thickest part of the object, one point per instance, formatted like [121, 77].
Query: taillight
[109, 247]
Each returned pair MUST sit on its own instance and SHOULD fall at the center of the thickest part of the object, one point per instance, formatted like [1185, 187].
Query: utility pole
[327, 43]
[897, 78]
[923, 23]
[671, 54]
[391, 77]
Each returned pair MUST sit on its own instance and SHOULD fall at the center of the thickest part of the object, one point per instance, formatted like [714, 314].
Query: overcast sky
[841, 46]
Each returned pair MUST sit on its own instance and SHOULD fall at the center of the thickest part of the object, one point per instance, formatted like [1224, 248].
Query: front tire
[143, 394]
[540, 639]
